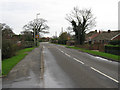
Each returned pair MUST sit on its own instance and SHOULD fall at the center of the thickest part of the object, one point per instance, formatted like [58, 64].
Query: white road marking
[92, 68]
[104, 74]
[62, 51]
[58, 48]
[78, 61]
[67, 55]
[70, 56]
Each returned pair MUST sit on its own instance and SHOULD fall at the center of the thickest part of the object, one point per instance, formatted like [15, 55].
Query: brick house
[97, 40]
[117, 37]
[102, 36]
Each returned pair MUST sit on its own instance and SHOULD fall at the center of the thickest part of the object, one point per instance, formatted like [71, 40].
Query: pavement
[26, 74]
[62, 68]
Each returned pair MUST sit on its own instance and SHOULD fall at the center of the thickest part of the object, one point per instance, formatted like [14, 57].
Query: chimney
[99, 31]
[109, 31]
[95, 31]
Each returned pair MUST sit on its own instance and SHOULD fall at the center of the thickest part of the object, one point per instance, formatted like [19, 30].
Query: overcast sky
[17, 13]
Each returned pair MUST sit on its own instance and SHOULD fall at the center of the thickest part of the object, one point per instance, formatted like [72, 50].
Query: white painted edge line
[78, 61]
[104, 75]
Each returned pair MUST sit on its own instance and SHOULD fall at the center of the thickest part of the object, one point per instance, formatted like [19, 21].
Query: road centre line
[78, 61]
[70, 56]
[92, 68]
[62, 51]
[104, 74]
[67, 55]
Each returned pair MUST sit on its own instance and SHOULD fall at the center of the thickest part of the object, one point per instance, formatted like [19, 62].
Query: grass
[106, 55]
[8, 64]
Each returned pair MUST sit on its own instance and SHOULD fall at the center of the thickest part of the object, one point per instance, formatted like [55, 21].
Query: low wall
[99, 47]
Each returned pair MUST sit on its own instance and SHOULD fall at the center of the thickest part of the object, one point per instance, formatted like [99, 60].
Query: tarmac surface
[26, 74]
[68, 68]
[62, 68]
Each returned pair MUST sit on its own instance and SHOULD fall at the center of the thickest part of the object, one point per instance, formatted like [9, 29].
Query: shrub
[62, 42]
[116, 42]
[8, 49]
[113, 49]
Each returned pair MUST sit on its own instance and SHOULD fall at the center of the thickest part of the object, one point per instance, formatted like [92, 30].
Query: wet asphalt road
[68, 68]
[63, 68]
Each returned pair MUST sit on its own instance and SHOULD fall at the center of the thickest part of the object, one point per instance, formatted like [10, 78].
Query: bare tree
[37, 26]
[6, 31]
[81, 20]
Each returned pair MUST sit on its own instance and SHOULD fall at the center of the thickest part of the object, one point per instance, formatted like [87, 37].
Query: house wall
[97, 46]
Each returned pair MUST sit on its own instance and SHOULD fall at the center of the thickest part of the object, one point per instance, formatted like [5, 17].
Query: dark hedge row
[8, 49]
[62, 42]
[117, 42]
[112, 49]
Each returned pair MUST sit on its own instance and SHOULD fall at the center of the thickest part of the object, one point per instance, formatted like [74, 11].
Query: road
[68, 68]
[63, 68]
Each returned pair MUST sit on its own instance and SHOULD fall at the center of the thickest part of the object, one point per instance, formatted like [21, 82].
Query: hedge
[112, 49]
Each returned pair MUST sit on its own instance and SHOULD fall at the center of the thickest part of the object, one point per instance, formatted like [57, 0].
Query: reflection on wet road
[68, 68]
[63, 68]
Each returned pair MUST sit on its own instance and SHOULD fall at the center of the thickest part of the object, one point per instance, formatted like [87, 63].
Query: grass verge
[102, 54]
[8, 64]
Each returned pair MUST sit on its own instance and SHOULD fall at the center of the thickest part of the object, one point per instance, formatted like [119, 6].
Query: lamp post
[37, 27]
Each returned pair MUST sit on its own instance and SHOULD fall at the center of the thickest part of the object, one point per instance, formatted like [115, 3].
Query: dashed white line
[78, 61]
[104, 74]
[62, 51]
[92, 68]
[67, 55]
[70, 56]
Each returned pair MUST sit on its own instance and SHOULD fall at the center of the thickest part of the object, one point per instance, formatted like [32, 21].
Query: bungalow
[117, 37]
[103, 36]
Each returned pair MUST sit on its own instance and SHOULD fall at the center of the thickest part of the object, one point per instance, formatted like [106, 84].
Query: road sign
[36, 36]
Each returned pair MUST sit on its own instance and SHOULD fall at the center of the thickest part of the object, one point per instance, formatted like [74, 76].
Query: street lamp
[35, 41]
[37, 28]
[37, 15]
